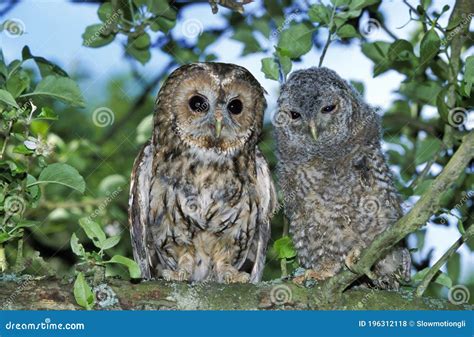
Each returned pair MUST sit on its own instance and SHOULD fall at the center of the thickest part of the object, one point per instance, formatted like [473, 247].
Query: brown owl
[201, 192]
[338, 190]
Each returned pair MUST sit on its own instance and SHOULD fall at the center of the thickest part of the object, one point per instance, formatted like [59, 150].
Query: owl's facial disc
[214, 120]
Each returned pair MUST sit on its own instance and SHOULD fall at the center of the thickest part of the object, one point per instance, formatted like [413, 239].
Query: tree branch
[413, 220]
[54, 294]
[443, 259]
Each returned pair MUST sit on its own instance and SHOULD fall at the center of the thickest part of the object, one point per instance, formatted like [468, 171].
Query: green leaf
[296, 41]
[444, 280]
[347, 31]
[105, 11]
[429, 47]
[83, 293]
[93, 231]
[4, 237]
[141, 42]
[270, 67]
[7, 98]
[378, 53]
[18, 83]
[60, 88]
[284, 248]
[45, 67]
[245, 35]
[76, 247]
[163, 24]
[62, 174]
[469, 75]
[443, 109]
[97, 35]
[320, 14]
[421, 188]
[454, 267]
[422, 92]
[47, 113]
[340, 3]
[359, 4]
[110, 242]
[400, 50]
[132, 266]
[426, 149]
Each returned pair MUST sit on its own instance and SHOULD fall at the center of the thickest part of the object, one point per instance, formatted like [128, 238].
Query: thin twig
[329, 39]
[443, 259]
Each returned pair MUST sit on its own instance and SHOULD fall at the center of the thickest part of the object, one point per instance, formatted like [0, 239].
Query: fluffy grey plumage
[202, 193]
[337, 188]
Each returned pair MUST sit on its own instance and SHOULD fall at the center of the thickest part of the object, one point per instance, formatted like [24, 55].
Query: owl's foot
[351, 260]
[236, 277]
[312, 274]
[228, 274]
[179, 275]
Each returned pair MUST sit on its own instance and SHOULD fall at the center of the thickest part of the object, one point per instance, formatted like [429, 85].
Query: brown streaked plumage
[338, 190]
[201, 193]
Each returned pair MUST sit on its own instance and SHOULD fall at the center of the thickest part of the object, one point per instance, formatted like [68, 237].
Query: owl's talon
[352, 258]
[236, 277]
[311, 274]
[171, 275]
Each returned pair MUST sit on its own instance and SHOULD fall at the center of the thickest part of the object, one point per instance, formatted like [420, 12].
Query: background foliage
[65, 171]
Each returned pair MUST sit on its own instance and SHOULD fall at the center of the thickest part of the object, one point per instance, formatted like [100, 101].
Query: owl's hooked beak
[314, 133]
[218, 127]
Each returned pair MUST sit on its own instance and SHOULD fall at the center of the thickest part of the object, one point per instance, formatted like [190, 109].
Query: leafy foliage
[50, 146]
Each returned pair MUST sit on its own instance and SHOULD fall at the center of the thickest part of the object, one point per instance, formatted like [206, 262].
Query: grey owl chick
[201, 193]
[337, 188]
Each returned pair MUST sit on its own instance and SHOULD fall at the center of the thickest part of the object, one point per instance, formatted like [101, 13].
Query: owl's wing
[139, 205]
[267, 204]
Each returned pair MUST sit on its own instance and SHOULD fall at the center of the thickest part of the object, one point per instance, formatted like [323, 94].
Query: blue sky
[53, 30]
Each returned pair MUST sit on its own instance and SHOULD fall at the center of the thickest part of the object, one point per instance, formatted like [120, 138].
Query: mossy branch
[413, 220]
[54, 294]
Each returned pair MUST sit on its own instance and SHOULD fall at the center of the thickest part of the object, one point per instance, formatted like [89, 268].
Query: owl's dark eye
[198, 104]
[235, 106]
[295, 115]
[328, 108]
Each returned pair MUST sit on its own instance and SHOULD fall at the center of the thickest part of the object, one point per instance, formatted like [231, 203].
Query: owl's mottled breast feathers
[201, 198]
[337, 187]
